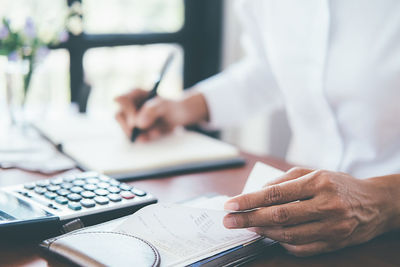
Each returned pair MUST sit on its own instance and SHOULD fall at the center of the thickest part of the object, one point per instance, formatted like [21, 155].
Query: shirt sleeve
[245, 88]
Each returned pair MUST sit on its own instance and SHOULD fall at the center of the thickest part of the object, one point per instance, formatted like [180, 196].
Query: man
[334, 65]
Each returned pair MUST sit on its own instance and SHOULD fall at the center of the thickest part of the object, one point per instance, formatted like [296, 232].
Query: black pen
[153, 93]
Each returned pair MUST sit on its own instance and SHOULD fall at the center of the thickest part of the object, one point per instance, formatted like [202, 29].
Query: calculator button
[56, 181]
[92, 180]
[74, 206]
[74, 197]
[101, 192]
[114, 182]
[125, 187]
[88, 203]
[104, 178]
[63, 192]
[127, 195]
[67, 185]
[43, 183]
[88, 194]
[114, 197]
[69, 178]
[101, 200]
[40, 190]
[79, 182]
[90, 187]
[103, 185]
[53, 188]
[138, 192]
[61, 200]
[114, 189]
[50, 195]
[30, 186]
[76, 189]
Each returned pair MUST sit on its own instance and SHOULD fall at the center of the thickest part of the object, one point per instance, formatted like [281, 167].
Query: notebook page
[184, 235]
[118, 155]
[101, 146]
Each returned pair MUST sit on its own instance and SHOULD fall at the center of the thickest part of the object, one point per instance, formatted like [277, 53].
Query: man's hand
[313, 211]
[158, 116]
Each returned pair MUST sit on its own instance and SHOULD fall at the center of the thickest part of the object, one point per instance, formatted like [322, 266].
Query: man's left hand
[313, 211]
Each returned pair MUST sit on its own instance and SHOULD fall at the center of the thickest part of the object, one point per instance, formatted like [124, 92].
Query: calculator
[40, 209]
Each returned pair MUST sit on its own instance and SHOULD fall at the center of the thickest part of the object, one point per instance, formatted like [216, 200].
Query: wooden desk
[383, 251]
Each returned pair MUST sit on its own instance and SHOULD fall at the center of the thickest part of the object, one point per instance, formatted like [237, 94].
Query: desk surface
[383, 251]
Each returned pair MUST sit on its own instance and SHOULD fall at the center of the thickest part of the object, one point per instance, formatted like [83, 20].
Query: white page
[101, 146]
[259, 176]
[184, 235]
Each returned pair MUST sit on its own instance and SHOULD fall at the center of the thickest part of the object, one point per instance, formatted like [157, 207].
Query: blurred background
[105, 48]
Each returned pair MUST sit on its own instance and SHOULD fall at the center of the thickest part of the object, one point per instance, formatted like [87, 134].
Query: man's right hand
[158, 116]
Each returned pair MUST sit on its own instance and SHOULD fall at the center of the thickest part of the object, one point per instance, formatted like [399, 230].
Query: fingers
[296, 234]
[150, 113]
[281, 215]
[298, 189]
[307, 249]
[130, 103]
[291, 174]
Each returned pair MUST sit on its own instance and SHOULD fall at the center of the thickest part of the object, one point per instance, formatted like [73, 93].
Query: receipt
[183, 233]
[259, 176]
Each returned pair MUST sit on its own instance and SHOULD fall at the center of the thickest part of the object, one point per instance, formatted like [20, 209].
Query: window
[112, 28]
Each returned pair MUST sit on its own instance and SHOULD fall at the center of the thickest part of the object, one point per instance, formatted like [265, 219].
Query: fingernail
[234, 206]
[230, 222]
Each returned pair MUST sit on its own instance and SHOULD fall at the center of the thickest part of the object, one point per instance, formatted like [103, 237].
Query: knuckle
[287, 237]
[248, 203]
[324, 180]
[280, 215]
[273, 194]
[343, 230]
[244, 221]
[298, 170]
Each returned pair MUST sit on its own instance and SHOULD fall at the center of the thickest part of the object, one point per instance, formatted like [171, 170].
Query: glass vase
[15, 92]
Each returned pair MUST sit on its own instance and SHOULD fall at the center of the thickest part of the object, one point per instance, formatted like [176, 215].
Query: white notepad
[101, 146]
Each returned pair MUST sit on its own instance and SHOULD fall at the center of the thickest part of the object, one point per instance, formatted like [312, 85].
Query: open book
[191, 233]
[101, 146]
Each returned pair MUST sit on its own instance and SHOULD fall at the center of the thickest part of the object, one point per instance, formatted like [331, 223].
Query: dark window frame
[200, 38]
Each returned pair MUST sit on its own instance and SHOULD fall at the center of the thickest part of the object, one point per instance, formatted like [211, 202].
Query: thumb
[150, 113]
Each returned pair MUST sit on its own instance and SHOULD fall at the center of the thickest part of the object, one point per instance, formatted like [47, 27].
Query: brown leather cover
[101, 248]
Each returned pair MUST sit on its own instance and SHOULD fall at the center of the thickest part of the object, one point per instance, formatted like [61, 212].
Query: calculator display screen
[13, 208]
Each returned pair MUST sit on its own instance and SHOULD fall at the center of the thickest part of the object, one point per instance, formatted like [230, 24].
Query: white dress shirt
[334, 65]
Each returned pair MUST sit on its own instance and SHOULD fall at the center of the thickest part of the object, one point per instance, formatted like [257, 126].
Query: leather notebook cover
[102, 248]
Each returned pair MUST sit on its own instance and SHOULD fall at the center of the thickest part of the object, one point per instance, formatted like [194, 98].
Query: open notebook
[101, 146]
[190, 233]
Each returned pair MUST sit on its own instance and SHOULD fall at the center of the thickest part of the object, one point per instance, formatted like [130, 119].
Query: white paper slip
[184, 235]
[259, 176]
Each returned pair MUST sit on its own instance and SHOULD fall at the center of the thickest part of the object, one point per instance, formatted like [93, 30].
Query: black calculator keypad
[84, 190]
